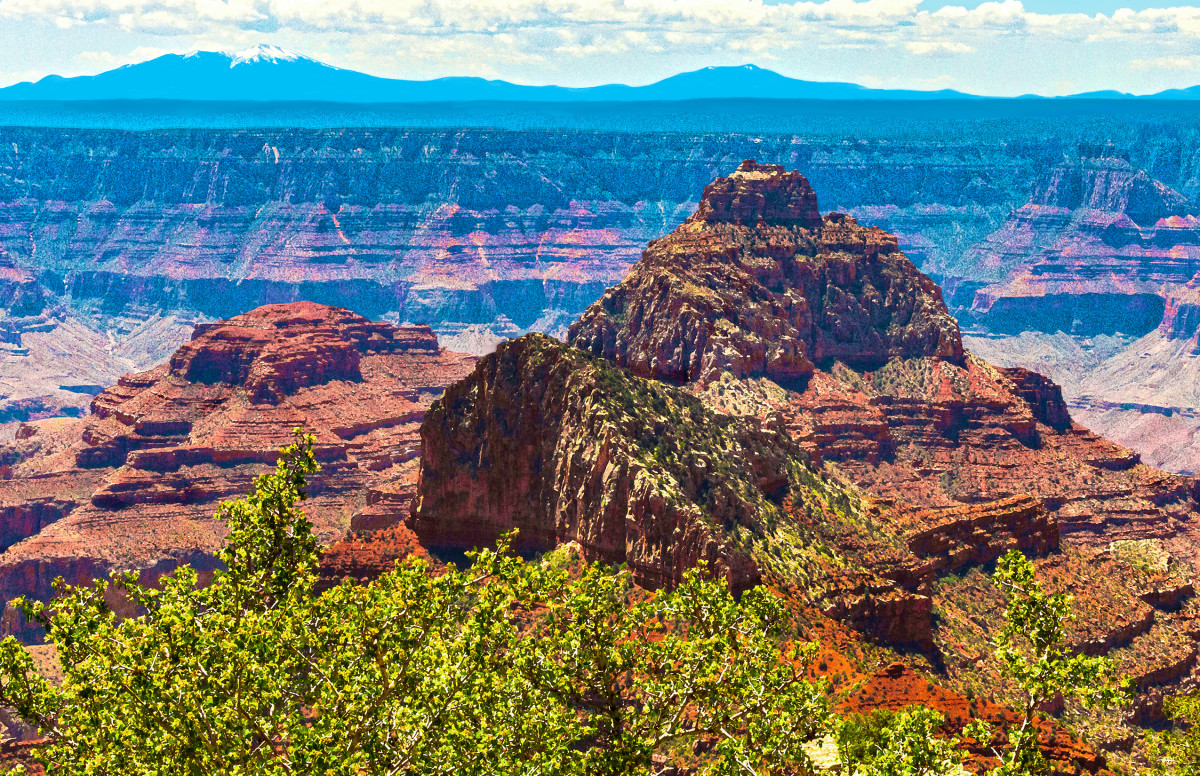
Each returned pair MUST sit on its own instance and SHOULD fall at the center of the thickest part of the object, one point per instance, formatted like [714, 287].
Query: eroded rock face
[836, 331]
[565, 448]
[755, 283]
[976, 534]
[1093, 282]
[760, 192]
[138, 481]
[1096, 250]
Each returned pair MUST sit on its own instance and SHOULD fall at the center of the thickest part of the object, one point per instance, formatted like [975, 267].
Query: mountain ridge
[269, 73]
[243, 75]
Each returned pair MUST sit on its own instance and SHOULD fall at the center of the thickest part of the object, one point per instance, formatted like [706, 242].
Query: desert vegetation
[511, 666]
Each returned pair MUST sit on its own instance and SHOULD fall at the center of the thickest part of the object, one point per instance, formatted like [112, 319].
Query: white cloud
[98, 61]
[937, 47]
[410, 37]
[1166, 63]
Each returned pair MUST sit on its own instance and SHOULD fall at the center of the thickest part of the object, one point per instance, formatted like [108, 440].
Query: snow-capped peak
[261, 53]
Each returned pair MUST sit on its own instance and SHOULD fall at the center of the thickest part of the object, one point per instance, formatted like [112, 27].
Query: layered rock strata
[1093, 281]
[741, 309]
[991, 455]
[136, 483]
[1097, 249]
[755, 283]
[565, 448]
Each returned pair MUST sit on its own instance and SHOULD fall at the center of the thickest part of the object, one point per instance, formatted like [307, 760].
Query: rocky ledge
[566, 448]
[277, 349]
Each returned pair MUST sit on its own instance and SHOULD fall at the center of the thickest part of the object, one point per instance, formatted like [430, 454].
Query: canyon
[114, 243]
[989, 343]
[1092, 282]
[776, 391]
[908, 462]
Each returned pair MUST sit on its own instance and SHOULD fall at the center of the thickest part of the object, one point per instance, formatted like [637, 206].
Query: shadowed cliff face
[1100, 248]
[918, 423]
[913, 463]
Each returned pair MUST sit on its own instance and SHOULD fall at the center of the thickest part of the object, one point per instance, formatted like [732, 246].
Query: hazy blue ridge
[268, 74]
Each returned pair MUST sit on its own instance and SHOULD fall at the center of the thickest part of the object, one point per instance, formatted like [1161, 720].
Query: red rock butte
[756, 283]
[275, 350]
[824, 329]
[135, 484]
[760, 192]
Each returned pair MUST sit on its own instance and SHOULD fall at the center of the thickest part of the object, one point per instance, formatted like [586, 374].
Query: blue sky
[1003, 47]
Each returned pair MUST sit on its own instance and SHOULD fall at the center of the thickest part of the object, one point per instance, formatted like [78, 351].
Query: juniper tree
[1033, 652]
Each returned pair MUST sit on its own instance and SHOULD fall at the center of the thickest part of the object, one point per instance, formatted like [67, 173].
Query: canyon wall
[135, 484]
[1094, 283]
[114, 243]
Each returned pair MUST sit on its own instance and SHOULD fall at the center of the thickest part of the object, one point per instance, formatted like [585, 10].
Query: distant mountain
[1190, 93]
[272, 74]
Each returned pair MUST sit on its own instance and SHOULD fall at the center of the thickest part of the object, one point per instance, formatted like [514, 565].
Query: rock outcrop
[756, 284]
[836, 331]
[275, 350]
[990, 456]
[566, 448]
[136, 483]
[976, 534]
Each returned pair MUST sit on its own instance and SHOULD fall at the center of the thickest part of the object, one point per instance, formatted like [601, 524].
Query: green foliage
[1032, 651]
[903, 744]
[858, 737]
[508, 667]
[1177, 752]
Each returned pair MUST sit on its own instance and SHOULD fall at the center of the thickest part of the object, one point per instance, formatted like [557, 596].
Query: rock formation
[566, 448]
[755, 283]
[749, 296]
[960, 460]
[889, 394]
[1096, 250]
[135, 484]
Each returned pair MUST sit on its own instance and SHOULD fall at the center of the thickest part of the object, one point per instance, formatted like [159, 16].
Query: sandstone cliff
[1093, 282]
[862, 361]
[567, 448]
[135, 484]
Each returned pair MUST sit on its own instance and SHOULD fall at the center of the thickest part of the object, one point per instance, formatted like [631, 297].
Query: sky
[998, 47]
